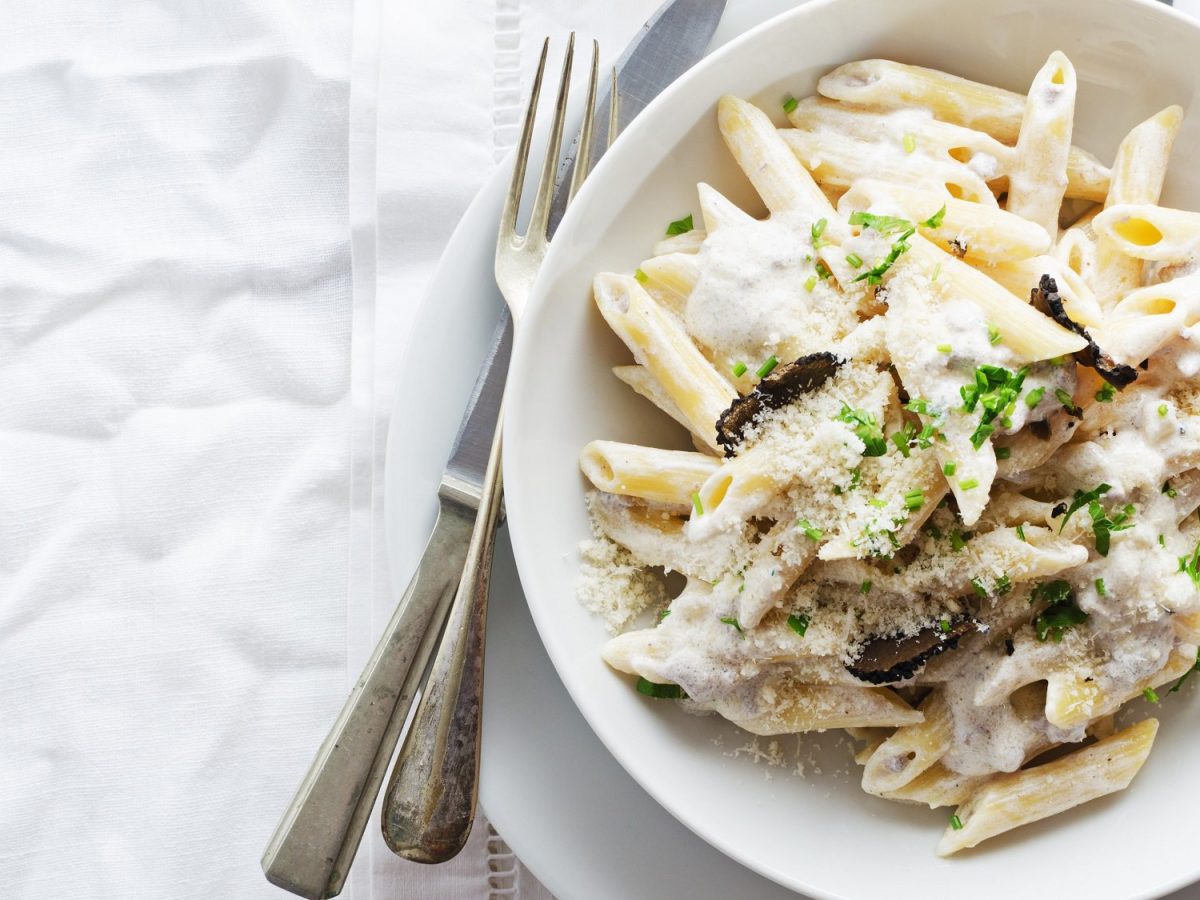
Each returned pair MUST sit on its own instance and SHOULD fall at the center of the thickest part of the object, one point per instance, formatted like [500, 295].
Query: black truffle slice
[1115, 373]
[884, 660]
[775, 391]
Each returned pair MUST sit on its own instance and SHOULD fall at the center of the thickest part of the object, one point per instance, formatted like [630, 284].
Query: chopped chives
[810, 283]
[1034, 397]
[1003, 584]
[914, 499]
[1064, 398]
[865, 587]
[1163, 410]
[1150, 694]
[823, 270]
[765, 369]
[809, 529]
[697, 504]
[1106, 393]
[950, 468]
[967, 483]
[1021, 532]
[662, 615]
[1003, 452]
[680, 226]
[910, 143]
[977, 584]
[956, 541]
[937, 270]
[993, 334]
[944, 348]
[641, 276]
[956, 823]
[1101, 587]
[659, 691]
[798, 623]
[944, 626]
[1168, 490]
[739, 370]
[1162, 541]
[854, 259]
[790, 104]
[877, 503]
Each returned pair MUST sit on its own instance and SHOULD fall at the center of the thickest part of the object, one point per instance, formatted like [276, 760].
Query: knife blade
[671, 42]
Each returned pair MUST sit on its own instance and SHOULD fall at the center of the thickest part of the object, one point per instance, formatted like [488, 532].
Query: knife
[315, 842]
[429, 804]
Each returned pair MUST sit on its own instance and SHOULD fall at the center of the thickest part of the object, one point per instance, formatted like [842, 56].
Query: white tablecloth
[194, 401]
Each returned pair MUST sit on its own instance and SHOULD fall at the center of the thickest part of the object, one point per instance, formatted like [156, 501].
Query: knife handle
[315, 842]
[429, 805]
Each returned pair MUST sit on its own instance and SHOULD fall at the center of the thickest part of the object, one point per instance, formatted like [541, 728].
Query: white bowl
[819, 833]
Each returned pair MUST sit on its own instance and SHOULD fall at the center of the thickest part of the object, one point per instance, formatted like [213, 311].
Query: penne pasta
[1144, 231]
[1038, 181]
[1146, 320]
[668, 477]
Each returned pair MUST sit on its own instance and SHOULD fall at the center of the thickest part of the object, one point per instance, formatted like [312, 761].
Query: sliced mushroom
[781, 387]
[1115, 373]
[884, 660]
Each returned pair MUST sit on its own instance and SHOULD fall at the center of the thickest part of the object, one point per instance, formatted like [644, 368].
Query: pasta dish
[944, 485]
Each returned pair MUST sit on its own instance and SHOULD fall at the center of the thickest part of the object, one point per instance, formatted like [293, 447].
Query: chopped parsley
[823, 271]
[994, 335]
[875, 274]
[1106, 393]
[810, 283]
[995, 390]
[733, 623]
[867, 430]
[1151, 695]
[1061, 612]
[977, 584]
[1103, 524]
[854, 259]
[883, 224]
[1067, 401]
[790, 104]
[798, 623]
[944, 626]
[680, 226]
[914, 499]
[935, 221]
[765, 369]
[662, 615]
[739, 370]
[1168, 490]
[1003, 452]
[696, 504]
[809, 529]
[641, 276]
[1101, 587]
[1082, 499]
[958, 540]
[1190, 565]
[865, 587]
[1002, 585]
[660, 691]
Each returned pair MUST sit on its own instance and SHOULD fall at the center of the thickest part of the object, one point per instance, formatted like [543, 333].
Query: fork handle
[313, 846]
[429, 805]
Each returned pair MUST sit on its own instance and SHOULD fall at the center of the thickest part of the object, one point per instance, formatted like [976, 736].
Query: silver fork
[429, 805]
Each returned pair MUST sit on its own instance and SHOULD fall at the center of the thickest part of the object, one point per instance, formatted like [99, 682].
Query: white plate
[560, 800]
[813, 833]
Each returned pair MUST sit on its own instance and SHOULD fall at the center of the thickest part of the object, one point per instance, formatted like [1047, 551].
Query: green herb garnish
[739, 370]
[914, 499]
[994, 390]
[1061, 613]
[798, 623]
[865, 587]
[1151, 695]
[790, 104]
[660, 691]
[993, 334]
[956, 823]
[765, 369]
[910, 143]
[944, 348]
[1163, 410]
[732, 622]
[1106, 393]
[1101, 587]
[867, 430]
[1003, 452]
[809, 529]
[1082, 499]
[818, 229]
[935, 220]
[854, 259]
[1103, 524]
[1034, 397]
[680, 226]
[823, 271]
[967, 483]
[810, 283]
[641, 276]
[883, 224]
[1168, 490]
[950, 468]
[977, 584]
[1186, 675]
[1021, 532]
[696, 504]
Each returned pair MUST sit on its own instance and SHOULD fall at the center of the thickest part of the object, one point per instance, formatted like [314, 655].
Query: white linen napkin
[174, 435]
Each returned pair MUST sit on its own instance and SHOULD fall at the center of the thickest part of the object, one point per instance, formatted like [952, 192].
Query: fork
[429, 805]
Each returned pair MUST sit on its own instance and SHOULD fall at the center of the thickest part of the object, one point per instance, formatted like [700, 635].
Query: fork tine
[512, 203]
[614, 109]
[583, 159]
[539, 219]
